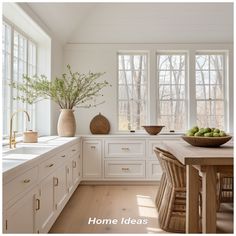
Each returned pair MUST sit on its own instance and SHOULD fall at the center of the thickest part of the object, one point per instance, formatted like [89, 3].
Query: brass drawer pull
[93, 147]
[63, 156]
[26, 181]
[73, 150]
[124, 169]
[37, 204]
[51, 165]
[56, 181]
[125, 148]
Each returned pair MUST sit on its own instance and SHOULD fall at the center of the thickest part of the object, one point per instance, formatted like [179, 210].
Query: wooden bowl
[153, 129]
[206, 141]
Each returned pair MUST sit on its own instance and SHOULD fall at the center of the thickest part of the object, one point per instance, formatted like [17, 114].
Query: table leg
[192, 205]
[209, 200]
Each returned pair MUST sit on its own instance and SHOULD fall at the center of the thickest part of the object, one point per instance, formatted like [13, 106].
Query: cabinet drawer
[124, 169]
[74, 149]
[125, 148]
[51, 164]
[20, 184]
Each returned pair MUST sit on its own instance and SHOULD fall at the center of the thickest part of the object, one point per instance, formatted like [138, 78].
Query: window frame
[186, 87]
[133, 52]
[13, 29]
[224, 53]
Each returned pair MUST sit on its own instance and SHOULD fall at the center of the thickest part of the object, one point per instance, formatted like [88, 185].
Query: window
[18, 58]
[171, 90]
[132, 90]
[210, 83]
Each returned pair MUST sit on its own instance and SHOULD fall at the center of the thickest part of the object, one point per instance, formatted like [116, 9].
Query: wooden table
[208, 161]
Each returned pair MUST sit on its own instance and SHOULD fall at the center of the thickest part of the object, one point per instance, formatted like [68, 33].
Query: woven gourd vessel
[99, 125]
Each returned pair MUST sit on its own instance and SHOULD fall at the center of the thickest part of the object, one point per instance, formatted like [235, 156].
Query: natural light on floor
[147, 209]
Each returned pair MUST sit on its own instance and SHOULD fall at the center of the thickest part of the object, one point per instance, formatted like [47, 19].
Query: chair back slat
[175, 171]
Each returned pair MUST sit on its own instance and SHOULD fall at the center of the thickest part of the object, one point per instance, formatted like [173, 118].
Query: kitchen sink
[28, 150]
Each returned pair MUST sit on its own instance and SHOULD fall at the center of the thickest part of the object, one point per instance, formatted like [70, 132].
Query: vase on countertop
[66, 125]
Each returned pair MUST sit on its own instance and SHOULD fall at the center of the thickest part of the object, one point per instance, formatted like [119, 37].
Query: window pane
[132, 95]
[216, 62]
[202, 92]
[202, 62]
[178, 77]
[171, 110]
[210, 87]
[216, 77]
[6, 75]
[164, 92]
[202, 77]
[163, 62]
[178, 62]
[164, 77]
[21, 64]
[178, 91]
[216, 92]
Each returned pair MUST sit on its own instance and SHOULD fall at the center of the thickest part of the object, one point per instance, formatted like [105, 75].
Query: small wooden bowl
[206, 141]
[153, 129]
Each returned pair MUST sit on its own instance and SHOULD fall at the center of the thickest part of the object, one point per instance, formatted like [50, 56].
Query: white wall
[103, 58]
[156, 23]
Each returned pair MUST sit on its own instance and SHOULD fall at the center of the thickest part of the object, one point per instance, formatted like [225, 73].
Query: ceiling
[138, 22]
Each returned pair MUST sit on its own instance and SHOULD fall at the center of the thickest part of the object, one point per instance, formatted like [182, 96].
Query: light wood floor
[117, 202]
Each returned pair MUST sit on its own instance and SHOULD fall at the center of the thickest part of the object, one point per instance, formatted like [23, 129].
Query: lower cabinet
[60, 187]
[153, 169]
[45, 213]
[92, 159]
[20, 218]
[75, 169]
[37, 207]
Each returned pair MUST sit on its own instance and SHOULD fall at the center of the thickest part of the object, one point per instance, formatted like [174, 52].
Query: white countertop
[27, 155]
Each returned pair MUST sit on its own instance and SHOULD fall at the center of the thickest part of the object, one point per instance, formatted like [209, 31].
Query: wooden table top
[190, 155]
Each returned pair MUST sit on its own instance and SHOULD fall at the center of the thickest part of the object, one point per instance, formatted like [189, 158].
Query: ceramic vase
[66, 125]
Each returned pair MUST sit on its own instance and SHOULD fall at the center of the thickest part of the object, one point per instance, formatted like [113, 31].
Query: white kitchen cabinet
[20, 217]
[46, 211]
[153, 170]
[60, 187]
[92, 159]
[76, 168]
[53, 180]
[69, 176]
[125, 148]
[125, 169]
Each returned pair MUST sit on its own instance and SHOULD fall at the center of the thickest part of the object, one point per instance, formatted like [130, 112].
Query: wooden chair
[163, 182]
[172, 213]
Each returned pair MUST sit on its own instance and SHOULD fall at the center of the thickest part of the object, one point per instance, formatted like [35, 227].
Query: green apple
[195, 129]
[222, 133]
[198, 134]
[216, 134]
[216, 131]
[201, 131]
[209, 134]
[207, 130]
[189, 133]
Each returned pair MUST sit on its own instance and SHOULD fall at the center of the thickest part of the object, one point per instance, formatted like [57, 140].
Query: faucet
[12, 139]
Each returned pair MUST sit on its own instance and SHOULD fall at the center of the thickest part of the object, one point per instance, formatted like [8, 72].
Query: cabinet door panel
[75, 169]
[60, 188]
[69, 176]
[92, 159]
[20, 218]
[46, 211]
